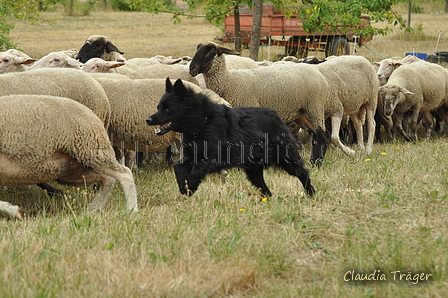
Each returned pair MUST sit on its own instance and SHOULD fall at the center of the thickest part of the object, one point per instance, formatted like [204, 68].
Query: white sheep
[291, 89]
[388, 65]
[353, 83]
[98, 65]
[131, 101]
[419, 87]
[108, 75]
[238, 62]
[65, 82]
[46, 138]
[71, 53]
[14, 61]
[57, 59]
[162, 71]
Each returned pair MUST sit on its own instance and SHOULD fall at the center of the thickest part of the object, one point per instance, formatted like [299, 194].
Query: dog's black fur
[217, 137]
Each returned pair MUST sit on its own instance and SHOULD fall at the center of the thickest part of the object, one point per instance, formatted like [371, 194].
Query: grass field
[372, 215]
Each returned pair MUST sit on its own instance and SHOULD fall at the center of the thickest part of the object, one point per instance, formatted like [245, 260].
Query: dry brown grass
[387, 211]
[141, 34]
[138, 34]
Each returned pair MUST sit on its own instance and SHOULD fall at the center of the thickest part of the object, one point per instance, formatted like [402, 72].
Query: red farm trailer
[278, 30]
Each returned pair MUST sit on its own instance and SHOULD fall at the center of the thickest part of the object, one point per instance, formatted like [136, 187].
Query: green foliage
[416, 8]
[156, 7]
[80, 8]
[317, 14]
[122, 5]
[19, 9]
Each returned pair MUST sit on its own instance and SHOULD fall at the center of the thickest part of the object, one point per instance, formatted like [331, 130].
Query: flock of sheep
[74, 116]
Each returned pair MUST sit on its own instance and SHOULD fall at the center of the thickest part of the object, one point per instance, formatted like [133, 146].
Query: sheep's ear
[224, 50]
[27, 60]
[110, 47]
[168, 86]
[397, 63]
[405, 91]
[114, 64]
[377, 63]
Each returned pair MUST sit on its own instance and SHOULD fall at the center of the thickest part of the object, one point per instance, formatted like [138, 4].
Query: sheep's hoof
[349, 151]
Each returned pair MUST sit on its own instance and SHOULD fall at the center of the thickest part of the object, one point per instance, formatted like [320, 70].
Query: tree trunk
[105, 4]
[70, 8]
[409, 13]
[446, 6]
[256, 29]
[236, 11]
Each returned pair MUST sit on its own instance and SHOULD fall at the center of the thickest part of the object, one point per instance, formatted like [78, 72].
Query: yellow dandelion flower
[397, 148]
[383, 153]
[264, 199]
[242, 210]
[368, 159]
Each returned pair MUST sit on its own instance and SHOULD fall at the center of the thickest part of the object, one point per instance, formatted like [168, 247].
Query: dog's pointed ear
[168, 86]
[179, 87]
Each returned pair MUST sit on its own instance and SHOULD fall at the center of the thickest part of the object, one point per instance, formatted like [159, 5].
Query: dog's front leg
[197, 174]
[182, 170]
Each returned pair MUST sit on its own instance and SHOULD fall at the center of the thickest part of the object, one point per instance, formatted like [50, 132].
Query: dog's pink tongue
[162, 126]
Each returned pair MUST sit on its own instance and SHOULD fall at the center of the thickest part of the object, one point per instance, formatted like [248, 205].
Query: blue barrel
[422, 56]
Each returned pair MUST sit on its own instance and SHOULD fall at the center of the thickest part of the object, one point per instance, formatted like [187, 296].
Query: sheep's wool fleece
[34, 127]
[132, 101]
[64, 82]
[289, 89]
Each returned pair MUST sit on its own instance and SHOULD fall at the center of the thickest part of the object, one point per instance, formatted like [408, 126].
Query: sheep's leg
[357, 123]
[371, 125]
[319, 146]
[51, 191]
[429, 124]
[10, 210]
[414, 122]
[100, 200]
[399, 125]
[255, 175]
[394, 125]
[442, 112]
[169, 155]
[319, 139]
[126, 179]
[335, 127]
[130, 158]
[119, 155]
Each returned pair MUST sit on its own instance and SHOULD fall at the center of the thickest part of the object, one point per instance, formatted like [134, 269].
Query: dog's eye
[167, 110]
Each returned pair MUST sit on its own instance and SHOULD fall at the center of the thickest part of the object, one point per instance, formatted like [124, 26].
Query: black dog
[217, 137]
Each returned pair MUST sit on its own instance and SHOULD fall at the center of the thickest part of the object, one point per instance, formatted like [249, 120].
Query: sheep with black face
[99, 46]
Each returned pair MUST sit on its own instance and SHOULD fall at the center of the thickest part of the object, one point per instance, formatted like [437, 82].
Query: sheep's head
[100, 65]
[96, 46]
[203, 59]
[391, 95]
[386, 67]
[57, 59]
[13, 63]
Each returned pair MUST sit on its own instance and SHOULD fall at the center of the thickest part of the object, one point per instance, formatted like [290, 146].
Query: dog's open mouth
[163, 129]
